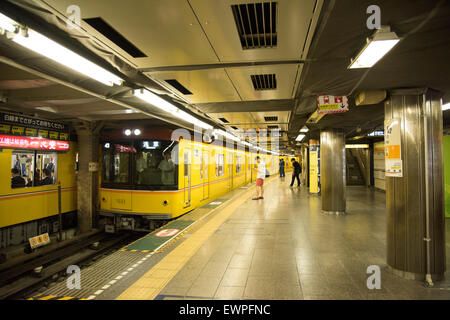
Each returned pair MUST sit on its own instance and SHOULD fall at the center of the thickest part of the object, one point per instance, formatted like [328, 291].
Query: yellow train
[31, 208]
[151, 178]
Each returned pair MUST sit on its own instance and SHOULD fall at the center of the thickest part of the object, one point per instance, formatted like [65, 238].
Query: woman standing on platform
[282, 164]
[261, 175]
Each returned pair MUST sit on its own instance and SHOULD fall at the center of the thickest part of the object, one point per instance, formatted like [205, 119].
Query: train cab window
[121, 163]
[154, 165]
[219, 165]
[238, 164]
[32, 169]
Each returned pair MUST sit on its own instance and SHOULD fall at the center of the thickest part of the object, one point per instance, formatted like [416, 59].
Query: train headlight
[127, 132]
[137, 132]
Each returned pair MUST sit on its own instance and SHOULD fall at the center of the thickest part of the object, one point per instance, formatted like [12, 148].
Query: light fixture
[227, 135]
[137, 132]
[446, 106]
[382, 41]
[107, 145]
[304, 129]
[356, 146]
[39, 43]
[300, 137]
[7, 24]
[127, 132]
[162, 104]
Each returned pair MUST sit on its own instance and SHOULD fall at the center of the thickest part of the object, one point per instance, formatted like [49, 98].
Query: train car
[29, 203]
[151, 178]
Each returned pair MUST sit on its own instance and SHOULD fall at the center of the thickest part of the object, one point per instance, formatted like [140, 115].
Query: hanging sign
[392, 148]
[33, 143]
[331, 104]
[15, 124]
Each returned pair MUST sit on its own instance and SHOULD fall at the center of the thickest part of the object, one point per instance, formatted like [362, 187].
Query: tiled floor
[282, 247]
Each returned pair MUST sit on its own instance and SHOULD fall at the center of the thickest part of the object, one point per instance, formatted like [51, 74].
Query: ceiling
[199, 44]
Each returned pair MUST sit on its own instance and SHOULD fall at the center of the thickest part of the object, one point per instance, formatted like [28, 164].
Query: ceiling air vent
[274, 118]
[235, 128]
[256, 24]
[264, 81]
[224, 120]
[174, 83]
[273, 127]
[109, 32]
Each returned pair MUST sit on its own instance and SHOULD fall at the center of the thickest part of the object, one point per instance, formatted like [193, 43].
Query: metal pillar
[332, 167]
[414, 200]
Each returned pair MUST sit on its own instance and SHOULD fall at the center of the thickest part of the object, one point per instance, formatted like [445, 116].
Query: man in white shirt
[167, 170]
[260, 176]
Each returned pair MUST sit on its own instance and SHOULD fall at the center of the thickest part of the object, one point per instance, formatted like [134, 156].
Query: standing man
[261, 175]
[282, 175]
[296, 172]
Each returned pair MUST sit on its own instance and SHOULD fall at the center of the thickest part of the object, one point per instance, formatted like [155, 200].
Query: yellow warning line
[47, 298]
[151, 283]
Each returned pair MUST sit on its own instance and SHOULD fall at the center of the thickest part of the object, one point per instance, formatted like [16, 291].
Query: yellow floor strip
[66, 298]
[151, 283]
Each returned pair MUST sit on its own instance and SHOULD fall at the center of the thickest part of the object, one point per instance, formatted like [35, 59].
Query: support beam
[414, 196]
[332, 169]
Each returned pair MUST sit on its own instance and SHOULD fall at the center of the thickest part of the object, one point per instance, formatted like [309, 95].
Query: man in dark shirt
[47, 177]
[17, 181]
[296, 172]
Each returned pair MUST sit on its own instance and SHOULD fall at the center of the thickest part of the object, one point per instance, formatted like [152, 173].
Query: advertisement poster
[314, 167]
[392, 149]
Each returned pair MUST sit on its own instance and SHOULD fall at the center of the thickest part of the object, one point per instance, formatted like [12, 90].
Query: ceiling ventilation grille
[235, 128]
[273, 127]
[109, 32]
[174, 83]
[256, 24]
[264, 81]
[224, 120]
[274, 118]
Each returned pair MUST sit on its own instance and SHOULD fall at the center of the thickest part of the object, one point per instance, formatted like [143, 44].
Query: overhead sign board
[331, 104]
[33, 143]
[392, 148]
[19, 125]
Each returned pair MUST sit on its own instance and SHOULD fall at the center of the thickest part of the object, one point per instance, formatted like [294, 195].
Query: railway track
[20, 281]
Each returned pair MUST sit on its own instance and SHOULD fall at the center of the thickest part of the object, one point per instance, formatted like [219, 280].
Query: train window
[201, 166]
[154, 165]
[238, 164]
[121, 163]
[32, 169]
[106, 174]
[219, 165]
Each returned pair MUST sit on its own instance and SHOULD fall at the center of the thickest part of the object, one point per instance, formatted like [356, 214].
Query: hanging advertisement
[331, 104]
[392, 148]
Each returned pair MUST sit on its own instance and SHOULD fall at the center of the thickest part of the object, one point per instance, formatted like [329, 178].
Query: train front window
[154, 164]
[121, 163]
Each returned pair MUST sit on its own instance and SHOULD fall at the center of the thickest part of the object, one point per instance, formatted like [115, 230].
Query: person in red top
[261, 175]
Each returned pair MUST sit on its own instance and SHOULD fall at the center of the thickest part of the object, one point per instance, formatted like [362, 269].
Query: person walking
[260, 176]
[282, 164]
[296, 172]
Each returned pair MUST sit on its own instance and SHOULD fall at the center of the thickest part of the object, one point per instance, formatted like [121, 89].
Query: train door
[187, 176]
[204, 173]
[230, 169]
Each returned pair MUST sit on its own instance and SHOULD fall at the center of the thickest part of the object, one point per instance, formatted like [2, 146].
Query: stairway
[353, 171]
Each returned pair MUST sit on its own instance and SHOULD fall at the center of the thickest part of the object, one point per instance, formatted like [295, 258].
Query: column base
[413, 276]
[333, 213]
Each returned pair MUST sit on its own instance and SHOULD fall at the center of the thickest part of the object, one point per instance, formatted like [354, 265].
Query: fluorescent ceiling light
[162, 104]
[300, 137]
[7, 23]
[227, 135]
[376, 48]
[356, 146]
[446, 106]
[304, 129]
[50, 49]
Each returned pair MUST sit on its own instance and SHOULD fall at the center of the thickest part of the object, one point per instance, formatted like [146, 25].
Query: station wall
[447, 175]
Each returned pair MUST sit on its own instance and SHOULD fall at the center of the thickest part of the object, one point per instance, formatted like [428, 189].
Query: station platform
[281, 247]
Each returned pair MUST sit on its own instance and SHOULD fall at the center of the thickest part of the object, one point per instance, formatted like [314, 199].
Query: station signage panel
[33, 143]
[331, 104]
[393, 149]
[19, 125]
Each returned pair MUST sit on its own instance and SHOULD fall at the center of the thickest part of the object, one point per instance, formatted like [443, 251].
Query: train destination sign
[33, 143]
[19, 125]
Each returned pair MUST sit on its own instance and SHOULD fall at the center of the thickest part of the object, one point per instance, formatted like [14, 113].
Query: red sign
[122, 148]
[332, 104]
[33, 143]
[167, 232]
